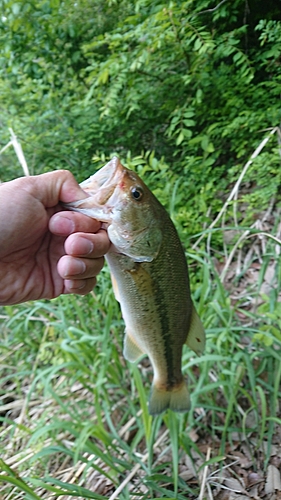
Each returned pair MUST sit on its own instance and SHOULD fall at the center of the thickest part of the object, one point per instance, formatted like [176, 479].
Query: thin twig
[210, 491]
[231, 255]
[211, 10]
[6, 147]
[204, 478]
[98, 461]
[19, 152]
[18, 404]
[136, 468]
[270, 236]
[237, 184]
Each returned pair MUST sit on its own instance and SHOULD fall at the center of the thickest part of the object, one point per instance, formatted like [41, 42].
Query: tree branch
[211, 10]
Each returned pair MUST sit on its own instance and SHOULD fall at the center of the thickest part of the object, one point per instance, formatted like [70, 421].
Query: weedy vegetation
[74, 413]
[188, 95]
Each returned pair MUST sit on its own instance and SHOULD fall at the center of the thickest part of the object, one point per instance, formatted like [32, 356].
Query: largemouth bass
[150, 279]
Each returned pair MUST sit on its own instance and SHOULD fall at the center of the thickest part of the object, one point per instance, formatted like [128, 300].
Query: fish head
[120, 199]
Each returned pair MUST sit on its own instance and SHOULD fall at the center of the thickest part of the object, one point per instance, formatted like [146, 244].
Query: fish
[150, 279]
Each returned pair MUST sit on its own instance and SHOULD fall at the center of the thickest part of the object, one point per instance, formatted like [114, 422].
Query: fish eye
[137, 193]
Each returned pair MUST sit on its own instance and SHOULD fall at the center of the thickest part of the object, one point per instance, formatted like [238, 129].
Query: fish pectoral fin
[132, 352]
[196, 338]
[177, 399]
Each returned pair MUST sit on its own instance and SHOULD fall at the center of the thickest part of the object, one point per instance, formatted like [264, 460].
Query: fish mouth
[103, 199]
[103, 195]
[102, 184]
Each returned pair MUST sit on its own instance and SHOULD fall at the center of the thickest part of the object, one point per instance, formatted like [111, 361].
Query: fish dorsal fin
[196, 335]
[132, 352]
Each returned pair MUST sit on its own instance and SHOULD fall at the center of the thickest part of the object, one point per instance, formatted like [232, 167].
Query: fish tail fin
[176, 399]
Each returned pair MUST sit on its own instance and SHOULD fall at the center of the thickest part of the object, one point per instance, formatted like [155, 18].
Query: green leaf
[180, 138]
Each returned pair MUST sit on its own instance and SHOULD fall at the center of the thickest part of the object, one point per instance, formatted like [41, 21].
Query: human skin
[46, 251]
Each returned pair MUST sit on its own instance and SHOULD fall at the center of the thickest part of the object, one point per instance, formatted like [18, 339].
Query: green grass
[74, 417]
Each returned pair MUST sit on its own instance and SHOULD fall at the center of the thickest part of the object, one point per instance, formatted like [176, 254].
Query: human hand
[45, 251]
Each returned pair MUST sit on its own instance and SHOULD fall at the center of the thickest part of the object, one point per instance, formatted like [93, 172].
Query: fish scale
[150, 279]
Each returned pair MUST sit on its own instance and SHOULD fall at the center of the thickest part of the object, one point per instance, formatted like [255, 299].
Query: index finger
[66, 223]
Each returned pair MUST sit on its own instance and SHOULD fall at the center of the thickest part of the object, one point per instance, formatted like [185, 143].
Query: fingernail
[86, 246]
[75, 285]
[79, 267]
[62, 225]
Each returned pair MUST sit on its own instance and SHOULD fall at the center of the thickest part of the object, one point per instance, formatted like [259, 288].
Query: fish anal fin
[132, 352]
[177, 399]
[196, 338]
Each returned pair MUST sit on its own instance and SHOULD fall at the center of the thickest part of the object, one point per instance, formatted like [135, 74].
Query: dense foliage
[189, 81]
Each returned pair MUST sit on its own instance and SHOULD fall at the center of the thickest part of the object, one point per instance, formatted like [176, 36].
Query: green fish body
[150, 279]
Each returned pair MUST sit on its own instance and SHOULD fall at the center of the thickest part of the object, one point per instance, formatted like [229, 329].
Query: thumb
[58, 186]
